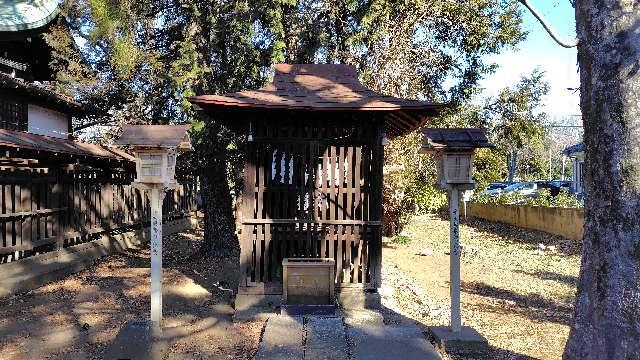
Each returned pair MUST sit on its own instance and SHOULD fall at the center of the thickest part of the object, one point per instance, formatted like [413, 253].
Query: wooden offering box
[308, 281]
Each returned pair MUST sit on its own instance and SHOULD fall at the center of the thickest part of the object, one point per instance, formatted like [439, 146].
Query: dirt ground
[518, 291]
[78, 317]
[518, 286]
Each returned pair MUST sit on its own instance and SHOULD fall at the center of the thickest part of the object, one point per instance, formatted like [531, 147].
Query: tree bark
[607, 312]
[219, 222]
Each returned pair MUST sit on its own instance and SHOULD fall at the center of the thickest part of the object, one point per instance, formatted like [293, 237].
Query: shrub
[409, 179]
[564, 199]
[401, 239]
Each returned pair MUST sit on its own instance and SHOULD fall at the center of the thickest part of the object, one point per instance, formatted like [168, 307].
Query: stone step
[326, 339]
[282, 339]
[371, 341]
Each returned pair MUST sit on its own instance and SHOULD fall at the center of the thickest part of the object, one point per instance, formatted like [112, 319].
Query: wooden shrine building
[313, 170]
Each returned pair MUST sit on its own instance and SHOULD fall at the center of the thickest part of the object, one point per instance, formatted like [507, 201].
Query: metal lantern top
[156, 148]
[454, 140]
[156, 136]
[454, 150]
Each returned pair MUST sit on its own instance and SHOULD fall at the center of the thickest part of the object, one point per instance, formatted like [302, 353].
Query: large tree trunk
[219, 222]
[607, 313]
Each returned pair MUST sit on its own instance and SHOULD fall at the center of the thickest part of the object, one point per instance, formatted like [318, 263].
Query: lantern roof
[454, 139]
[325, 87]
[155, 136]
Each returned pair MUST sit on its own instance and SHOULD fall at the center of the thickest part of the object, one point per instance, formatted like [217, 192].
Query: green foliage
[401, 239]
[408, 183]
[488, 166]
[410, 48]
[564, 199]
[517, 124]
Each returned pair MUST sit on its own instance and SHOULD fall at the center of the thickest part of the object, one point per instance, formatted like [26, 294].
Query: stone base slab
[467, 340]
[259, 307]
[300, 310]
[359, 299]
[138, 339]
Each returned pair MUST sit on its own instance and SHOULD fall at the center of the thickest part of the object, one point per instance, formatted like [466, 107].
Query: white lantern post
[454, 150]
[156, 148]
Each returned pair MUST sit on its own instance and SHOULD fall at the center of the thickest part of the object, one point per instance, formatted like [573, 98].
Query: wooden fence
[44, 210]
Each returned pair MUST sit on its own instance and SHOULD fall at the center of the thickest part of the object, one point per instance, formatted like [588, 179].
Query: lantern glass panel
[151, 165]
[171, 167]
[458, 168]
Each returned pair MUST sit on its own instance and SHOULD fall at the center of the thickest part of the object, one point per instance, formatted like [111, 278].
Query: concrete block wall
[567, 222]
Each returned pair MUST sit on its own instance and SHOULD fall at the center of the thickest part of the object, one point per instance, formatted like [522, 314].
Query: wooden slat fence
[45, 210]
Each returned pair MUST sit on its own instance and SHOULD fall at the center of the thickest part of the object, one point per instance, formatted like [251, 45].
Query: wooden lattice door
[310, 199]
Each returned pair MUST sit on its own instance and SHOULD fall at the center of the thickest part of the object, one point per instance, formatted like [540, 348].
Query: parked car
[526, 188]
[497, 185]
[554, 186]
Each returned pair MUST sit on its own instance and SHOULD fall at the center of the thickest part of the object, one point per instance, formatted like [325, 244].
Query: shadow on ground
[392, 317]
[524, 236]
[78, 317]
[548, 275]
[531, 306]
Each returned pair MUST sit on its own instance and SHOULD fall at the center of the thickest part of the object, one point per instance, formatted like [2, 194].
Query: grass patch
[514, 292]
[401, 239]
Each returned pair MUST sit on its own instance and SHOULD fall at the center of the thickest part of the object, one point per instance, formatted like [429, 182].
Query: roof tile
[25, 140]
[321, 87]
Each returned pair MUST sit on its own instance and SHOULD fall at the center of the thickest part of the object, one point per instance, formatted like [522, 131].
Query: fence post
[56, 192]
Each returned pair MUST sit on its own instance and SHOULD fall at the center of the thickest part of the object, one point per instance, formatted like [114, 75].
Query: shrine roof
[325, 87]
[25, 140]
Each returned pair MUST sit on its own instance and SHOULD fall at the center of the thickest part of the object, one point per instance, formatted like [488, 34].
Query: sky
[540, 50]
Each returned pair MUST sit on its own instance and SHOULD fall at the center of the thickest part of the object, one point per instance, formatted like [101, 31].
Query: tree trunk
[607, 312]
[219, 224]
[511, 166]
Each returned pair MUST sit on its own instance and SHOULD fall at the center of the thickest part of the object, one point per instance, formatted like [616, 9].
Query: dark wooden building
[63, 202]
[28, 101]
[313, 171]
[23, 50]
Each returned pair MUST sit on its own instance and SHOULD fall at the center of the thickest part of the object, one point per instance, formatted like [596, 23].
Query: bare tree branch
[103, 121]
[567, 44]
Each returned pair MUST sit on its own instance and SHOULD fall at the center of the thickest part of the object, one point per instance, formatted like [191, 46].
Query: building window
[13, 115]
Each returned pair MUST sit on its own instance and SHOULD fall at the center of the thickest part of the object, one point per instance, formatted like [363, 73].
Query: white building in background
[576, 153]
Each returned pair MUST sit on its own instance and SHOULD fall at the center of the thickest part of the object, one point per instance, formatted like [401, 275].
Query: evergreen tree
[143, 59]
